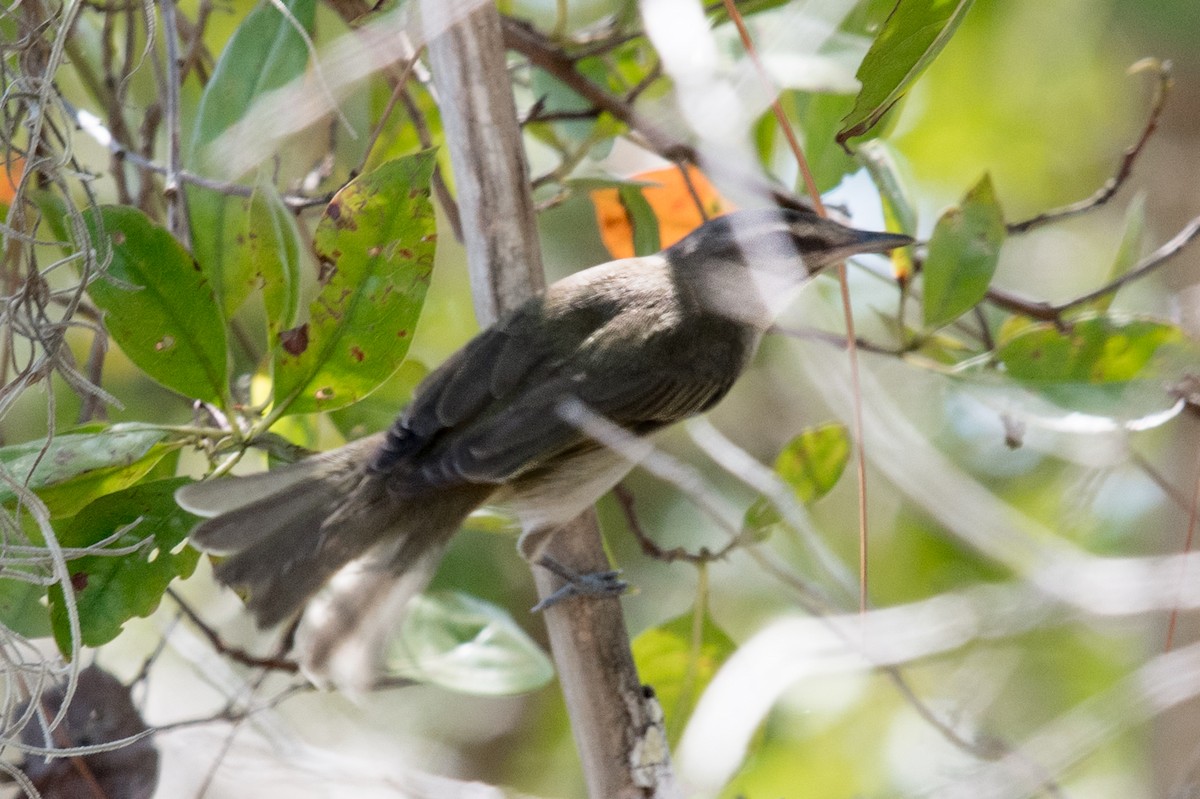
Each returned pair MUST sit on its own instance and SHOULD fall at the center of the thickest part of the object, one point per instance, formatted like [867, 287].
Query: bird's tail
[287, 533]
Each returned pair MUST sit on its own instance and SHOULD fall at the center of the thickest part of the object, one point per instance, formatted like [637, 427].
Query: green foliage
[817, 116]
[375, 243]
[1105, 365]
[111, 589]
[23, 606]
[243, 331]
[885, 165]
[912, 37]
[465, 644]
[158, 304]
[642, 218]
[963, 253]
[74, 469]
[270, 244]
[811, 463]
[679, 658]
[1100, 349]
[266, 51]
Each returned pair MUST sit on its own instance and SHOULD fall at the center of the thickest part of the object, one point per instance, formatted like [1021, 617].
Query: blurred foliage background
[1035, 94]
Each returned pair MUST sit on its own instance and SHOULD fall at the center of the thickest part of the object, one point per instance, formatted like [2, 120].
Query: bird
[349, 536]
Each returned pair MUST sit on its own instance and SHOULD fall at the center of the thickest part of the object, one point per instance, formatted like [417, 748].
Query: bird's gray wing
[493, 411]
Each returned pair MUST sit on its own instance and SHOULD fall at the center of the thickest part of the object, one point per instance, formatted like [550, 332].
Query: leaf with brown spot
[116, 588]
[376, 258]
[157, 306]
[294, 341]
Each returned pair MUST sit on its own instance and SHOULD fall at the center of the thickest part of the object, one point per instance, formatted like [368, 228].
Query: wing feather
[492, 411]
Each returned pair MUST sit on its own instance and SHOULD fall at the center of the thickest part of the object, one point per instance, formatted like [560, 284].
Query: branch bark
[616, 722]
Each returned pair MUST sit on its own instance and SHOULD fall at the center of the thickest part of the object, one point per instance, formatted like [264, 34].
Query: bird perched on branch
[641, 342]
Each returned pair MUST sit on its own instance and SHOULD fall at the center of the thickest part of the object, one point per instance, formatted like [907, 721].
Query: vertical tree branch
[467, 59]
[617, 724]
[177, 221]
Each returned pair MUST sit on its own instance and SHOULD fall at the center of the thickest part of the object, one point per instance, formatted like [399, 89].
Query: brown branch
[651, 549]
[612, 717]
[237, 655]
[1147, 265]
[1161, 89]
[542, 53]
[1051, 312]
[177, 216]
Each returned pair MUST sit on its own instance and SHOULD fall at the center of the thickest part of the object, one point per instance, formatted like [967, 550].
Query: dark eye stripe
[809, 243]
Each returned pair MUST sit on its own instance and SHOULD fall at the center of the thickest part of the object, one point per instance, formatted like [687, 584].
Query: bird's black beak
[851, 241]
[872, 241]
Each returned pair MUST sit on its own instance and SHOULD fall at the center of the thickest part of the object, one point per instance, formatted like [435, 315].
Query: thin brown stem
[814, 195]
[237, 655]
[1147, 265]
[1106, 192]
[651, 549]
[839, 340]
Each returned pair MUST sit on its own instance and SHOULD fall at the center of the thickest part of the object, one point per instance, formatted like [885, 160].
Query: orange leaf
[674, 208]
[10, 176]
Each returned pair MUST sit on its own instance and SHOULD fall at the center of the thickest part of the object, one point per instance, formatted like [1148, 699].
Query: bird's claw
[607, 583]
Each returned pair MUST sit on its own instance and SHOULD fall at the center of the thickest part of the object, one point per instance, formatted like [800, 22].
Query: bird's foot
[608, 583]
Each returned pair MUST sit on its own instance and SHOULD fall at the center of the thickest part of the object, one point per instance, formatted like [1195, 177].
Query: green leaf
[817, 116]
[76, 468]
[270, 243]
[1102, 349]
[1104, 365]
[465, 644]
[380, 409]
[811, 463]
[265, 52]
[642, 220]
[883, 164]
[963, 253]
[914, 34]
[158, 305]
[376, 244]
[22, 609]
[679, 661]
[111, 589]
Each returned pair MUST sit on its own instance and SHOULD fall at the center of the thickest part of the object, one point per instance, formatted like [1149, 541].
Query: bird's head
[745, 263]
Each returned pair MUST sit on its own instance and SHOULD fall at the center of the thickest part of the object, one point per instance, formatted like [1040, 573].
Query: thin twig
[1162, 88]
[1147, 265]
[542, 53]
[1050, 312]
[273, 663]
[651, 549]
[90, 124]
[839, 340]
[398, 85]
